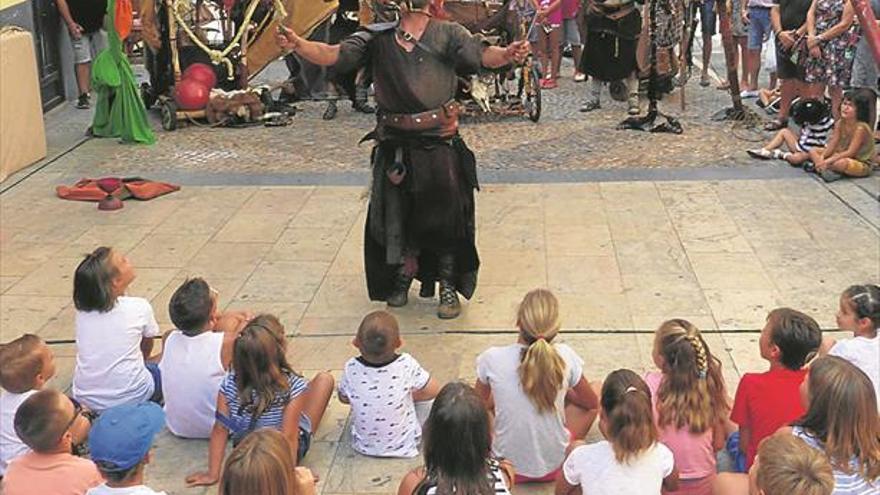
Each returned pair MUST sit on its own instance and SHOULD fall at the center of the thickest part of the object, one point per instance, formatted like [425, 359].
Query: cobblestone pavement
[564, 139]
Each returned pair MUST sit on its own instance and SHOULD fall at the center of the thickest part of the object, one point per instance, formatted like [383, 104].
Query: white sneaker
[580, 77]
[748, 94]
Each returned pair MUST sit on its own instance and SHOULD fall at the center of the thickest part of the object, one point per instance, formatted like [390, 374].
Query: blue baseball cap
[121, 436]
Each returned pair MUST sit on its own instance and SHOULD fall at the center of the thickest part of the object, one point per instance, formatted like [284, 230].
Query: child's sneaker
[83, 102]
[761, 153]
[809, 167]
[580, 77]
[780, 155]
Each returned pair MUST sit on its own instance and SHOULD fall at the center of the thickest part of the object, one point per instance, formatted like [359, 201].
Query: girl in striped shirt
[814, 118]
[263, 391]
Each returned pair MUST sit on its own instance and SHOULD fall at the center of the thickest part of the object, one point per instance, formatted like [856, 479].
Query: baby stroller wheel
[169, 115]
[532, 95]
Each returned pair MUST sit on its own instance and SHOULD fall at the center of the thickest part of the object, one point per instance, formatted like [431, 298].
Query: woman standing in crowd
[830, 47]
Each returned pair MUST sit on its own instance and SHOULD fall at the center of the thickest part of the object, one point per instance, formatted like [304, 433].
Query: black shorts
[785, 68]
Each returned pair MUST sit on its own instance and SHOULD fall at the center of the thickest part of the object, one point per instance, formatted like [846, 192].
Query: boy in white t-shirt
[387, 391]
[27, 364]
[195, 357]
[859, 313]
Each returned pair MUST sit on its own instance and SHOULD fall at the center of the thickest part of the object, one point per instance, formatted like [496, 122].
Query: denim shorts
[759, 27]
[707, 17]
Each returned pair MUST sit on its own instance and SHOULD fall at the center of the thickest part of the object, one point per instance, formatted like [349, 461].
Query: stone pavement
[627, 228]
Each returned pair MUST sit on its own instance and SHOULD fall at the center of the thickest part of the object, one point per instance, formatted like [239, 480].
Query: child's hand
[202, 478]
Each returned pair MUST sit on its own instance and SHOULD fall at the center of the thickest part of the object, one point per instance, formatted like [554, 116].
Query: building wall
[21, 13]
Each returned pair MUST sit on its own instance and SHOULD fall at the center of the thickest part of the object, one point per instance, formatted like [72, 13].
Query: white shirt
[382, 406]
[193, 370]
[864, 353]
[103, 489]
[10, 445]
[110, 367]
[595, 468]
[533, 442]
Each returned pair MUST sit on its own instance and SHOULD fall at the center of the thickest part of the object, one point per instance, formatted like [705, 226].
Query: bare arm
[231, 324]
[811, 19]
[775, 19]
[315, 52]
[670, 483]
[719, 435]
[584, 395]
[862, 135]
[745, 436]
[496, 56]
[74, 28]
[428, 392]
[564, 488]
[841, 27]
[485, 393]
[216, 450]
[409, 482]
[290, 421]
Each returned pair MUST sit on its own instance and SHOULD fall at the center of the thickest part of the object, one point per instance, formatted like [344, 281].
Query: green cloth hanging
[119, 111]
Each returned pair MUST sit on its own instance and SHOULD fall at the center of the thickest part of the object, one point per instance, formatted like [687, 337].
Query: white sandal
[760, 153]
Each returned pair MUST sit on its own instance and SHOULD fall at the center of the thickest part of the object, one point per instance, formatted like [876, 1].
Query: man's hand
[786, 38]
[517, 51]
[287, 39]
[76, 31]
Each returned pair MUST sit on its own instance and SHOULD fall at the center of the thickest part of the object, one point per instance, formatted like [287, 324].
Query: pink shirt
[570, 8]
[694, 454]
[50, 474]
[555, 16]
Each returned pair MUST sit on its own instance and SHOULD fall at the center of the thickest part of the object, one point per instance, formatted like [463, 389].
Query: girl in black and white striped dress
[457, 447]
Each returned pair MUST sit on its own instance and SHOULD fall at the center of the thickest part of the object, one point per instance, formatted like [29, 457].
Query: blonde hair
[692, 393]
[541, 369]
[262, 463]
[626, 403]
[787, 465]
[22, 361]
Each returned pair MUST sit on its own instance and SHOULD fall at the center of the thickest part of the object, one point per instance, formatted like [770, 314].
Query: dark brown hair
[93, 282]
[22, 362]
[190, 306]
[865, 302]
[377, 335]
[797, 336]
[843, 416]
[457, 443]
[40, 422]
[626, 402]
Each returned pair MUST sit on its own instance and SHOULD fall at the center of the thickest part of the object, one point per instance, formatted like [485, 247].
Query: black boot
[330, 111]
[362, 106]
[427, 289]
[400, 293]
[449, 307]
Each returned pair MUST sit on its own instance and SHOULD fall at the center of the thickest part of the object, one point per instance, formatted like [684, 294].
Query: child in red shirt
[768, 401]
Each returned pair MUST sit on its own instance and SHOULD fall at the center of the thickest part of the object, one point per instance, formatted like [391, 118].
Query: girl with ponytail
[631, 459]
[537, 391]
[689, 403]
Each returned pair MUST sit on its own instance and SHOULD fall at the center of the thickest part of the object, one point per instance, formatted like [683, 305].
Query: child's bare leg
[318, 396]
[791, 141]
[731, 484]
[777, 141]
[577, 419]
[798, 158]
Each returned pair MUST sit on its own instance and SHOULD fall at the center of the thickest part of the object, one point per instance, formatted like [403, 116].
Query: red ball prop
[191, 95]
[203, 73]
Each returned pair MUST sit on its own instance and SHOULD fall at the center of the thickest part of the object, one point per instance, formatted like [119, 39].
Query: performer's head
[378, 337]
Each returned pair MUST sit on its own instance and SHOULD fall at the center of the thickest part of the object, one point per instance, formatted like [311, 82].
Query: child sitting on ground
[631, 459]
[263, 464]
[28, 364]
[120, 443]
[767, 401]
[263, 391]
[114, 335]
[383, 388]
[537, 392]
[859, 313]
[785, 465]
[842, 422]
[814, 118]
[196, 357]
[458, 449]
[48, 422]
[690, 403]
[850, 150]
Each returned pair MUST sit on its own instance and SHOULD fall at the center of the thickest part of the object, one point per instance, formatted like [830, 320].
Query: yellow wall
[9, 3]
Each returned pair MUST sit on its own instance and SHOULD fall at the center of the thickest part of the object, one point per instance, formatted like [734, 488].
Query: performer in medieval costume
[613, 28]
[420, 221]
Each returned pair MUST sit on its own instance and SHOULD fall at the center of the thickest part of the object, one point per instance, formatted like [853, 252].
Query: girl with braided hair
[537, 391]
[859, 313]
[690, 403]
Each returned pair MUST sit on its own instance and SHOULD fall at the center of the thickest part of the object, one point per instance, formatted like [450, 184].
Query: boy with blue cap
[119, 442]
